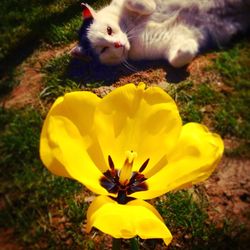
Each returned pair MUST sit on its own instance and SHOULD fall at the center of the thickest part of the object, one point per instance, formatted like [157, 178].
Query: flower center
[124, 182]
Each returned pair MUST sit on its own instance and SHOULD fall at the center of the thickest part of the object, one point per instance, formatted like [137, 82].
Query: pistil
[126, 170]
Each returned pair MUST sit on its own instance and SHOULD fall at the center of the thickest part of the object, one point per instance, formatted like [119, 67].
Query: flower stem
[116, 244]
[134, 244]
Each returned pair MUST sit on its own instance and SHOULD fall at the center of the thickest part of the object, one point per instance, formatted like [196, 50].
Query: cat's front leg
[182, 53]
[142, 7]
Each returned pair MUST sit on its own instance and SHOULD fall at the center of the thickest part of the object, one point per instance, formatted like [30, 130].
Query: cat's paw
[143, 7]
[183, 54]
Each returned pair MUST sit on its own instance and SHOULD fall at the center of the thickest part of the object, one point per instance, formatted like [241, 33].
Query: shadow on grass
[33, 39]
[38, 31]
[92, 71]
[64, 74]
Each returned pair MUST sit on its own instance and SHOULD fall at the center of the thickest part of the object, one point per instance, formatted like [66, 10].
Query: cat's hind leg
[142, 7]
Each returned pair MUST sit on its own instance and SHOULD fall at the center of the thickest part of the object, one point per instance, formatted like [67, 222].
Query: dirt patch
[150, 76]
[228, 190]
[31, 79]
[7, 242]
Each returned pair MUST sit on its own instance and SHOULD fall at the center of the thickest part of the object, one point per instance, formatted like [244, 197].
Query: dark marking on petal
[136, 177]
[109, 185]
[137, 188]
[121, 199]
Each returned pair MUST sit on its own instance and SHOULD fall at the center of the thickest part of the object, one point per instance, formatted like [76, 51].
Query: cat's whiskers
[129, 66]
[132, 36]
[128, 30]
[132, 33]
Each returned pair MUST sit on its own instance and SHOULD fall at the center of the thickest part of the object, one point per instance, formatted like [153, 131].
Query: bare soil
[228, 191]
[31, 79]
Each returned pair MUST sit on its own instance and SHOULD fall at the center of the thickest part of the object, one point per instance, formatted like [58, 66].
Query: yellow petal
[193, 160]
[137, 217]
[45, 150]
[145, 121]
[66, 145]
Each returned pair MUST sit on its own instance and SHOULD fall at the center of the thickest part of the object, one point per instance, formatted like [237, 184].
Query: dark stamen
[144, 165]
[111, 163]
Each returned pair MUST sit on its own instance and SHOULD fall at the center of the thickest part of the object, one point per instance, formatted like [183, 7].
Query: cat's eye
[109, 30]
[103, 49]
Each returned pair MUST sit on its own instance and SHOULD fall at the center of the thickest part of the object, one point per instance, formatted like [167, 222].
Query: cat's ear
[87, 11]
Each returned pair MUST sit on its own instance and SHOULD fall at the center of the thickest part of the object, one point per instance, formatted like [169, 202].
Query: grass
[28, 25]
[232, 116]
[64, 75]
[27, 188]
[49, 212]
[54, 22]
[35, 22]
[185, 215]
[57, 81]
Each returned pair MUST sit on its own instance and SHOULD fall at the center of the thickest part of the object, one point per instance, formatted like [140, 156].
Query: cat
[160, 29]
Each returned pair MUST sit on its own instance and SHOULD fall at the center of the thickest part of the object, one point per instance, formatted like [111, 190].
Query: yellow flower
[127, 147]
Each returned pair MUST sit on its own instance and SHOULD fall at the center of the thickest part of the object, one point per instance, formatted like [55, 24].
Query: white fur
[149, 29]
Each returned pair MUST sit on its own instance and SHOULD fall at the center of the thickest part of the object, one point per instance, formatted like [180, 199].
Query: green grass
[190, 225]
[60, 79]
[233, 117]
[28, 25]
[30, 21]
[25, 22]
[234, 64]
[57, 82]
[27, 188]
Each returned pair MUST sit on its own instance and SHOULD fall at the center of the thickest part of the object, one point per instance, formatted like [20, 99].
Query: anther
[111, 163]
[143, 166]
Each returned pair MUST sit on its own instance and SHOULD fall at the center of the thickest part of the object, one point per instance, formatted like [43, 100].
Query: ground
[227, 190]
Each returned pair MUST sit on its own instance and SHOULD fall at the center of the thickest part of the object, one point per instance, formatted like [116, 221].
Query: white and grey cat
[175, 30]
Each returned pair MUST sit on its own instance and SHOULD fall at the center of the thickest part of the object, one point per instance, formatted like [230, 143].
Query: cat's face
[107, 39]
[105, 36]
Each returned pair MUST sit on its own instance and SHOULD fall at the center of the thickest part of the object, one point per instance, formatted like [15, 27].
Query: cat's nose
[118, 44]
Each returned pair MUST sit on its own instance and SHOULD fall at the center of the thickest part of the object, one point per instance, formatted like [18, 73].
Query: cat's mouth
[125, 50]
[123, 56]
[118, 56]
